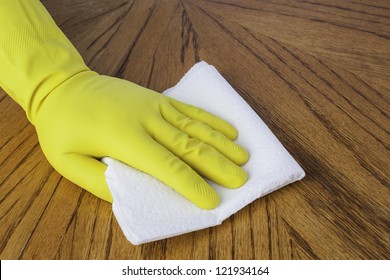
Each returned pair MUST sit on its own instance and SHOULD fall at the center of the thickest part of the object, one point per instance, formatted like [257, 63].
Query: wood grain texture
[316, 71]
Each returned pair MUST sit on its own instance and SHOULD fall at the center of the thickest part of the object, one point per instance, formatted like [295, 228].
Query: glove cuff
[35, 56]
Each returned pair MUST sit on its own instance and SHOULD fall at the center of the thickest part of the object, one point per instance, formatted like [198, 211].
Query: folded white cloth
[148, 210]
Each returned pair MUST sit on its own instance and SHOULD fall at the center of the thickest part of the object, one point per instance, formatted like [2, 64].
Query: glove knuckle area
[219, 142]
[209, 163]
[208, 134]
[204, 134]
[188, 146]
[205, 117]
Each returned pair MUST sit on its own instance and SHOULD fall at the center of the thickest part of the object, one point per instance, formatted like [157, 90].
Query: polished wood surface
[316, 71]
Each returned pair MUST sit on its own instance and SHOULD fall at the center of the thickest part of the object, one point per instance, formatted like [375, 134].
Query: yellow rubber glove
[81, 116]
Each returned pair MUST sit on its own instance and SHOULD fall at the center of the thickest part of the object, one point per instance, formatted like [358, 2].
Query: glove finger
[157, 161]
[86, 172]
[207, 118]
[202, 157]
[204, 133]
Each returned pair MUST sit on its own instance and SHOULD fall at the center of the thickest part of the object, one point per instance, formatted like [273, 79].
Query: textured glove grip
[35, 56]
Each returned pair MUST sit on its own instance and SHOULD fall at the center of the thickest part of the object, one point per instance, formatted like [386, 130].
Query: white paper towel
[149, 210]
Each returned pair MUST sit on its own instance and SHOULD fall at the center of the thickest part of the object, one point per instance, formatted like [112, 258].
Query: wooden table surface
[317, 73]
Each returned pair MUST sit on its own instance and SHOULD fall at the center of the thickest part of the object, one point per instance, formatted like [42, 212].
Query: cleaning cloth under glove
[148, 210]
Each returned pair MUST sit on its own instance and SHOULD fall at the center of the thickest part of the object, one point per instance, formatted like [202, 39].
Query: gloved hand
[81, 116]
